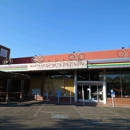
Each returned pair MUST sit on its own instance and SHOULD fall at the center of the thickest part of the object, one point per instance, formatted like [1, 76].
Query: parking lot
[40, 116]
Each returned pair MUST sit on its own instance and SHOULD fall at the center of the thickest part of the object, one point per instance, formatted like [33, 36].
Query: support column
[8, 89]
[42, 85]
[89, 92]
[97, 95]
[75, 86]
[104, 87]
[21, 90]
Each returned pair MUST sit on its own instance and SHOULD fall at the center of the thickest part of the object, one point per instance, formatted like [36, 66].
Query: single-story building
[85, 76]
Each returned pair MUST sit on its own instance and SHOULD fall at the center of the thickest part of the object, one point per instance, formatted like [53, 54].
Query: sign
[36, 91]
[112, 94]
[46, 94]
[3, 52]
[57, 65]
[111, 90]
[44, 66]
[58, 93]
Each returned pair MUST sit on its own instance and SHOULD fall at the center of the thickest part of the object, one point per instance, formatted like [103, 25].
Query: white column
[75, 86]
[104, 87]
[97, 94]
[89, 92]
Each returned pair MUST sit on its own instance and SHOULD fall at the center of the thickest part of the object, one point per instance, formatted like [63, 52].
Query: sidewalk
[93, 104]
[110, 105]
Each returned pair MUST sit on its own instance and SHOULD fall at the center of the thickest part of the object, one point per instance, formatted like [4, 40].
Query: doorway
[91, 92]
[85, 89]
[97, 93]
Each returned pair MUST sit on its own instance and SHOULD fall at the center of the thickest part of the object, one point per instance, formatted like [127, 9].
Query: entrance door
[97, 93]
[91, 92]
[86, 91]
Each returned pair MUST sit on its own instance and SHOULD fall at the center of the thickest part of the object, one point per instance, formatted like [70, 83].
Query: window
[59, 80]
[82, 75]
[118, 81]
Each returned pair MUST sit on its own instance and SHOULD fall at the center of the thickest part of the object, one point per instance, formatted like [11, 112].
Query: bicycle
[123, 53]
[37, 59]
[7, 61]
[74, 56]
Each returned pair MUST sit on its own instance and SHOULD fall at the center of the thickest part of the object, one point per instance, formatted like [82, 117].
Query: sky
[49, 27]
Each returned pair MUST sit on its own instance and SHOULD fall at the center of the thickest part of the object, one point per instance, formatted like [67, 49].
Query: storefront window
[83, 75]
[96, 75]
[59, 80]
[58, 83]
[48, 83]
[90, 75]
[119, 82]
[69, 83]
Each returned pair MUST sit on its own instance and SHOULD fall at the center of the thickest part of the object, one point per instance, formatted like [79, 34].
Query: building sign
[57, 65]
[44, 66]
[3, 52]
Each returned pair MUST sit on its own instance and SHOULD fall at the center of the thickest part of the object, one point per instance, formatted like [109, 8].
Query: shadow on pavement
[20, 123]
[30, 103]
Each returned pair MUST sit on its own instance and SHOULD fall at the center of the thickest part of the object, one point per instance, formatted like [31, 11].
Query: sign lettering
[57, 65]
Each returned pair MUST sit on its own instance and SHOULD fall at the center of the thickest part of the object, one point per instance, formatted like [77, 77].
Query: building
[85, 76]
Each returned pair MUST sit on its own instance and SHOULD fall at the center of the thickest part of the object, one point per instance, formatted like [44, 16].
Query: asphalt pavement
[41, 116]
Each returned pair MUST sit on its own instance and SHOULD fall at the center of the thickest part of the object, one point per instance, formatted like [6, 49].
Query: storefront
[89, 76]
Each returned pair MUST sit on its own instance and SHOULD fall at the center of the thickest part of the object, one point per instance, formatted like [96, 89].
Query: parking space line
[38, 110]
[114, 113]
[78, 112]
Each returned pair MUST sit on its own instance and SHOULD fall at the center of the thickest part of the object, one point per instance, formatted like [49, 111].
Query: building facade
[86, 76]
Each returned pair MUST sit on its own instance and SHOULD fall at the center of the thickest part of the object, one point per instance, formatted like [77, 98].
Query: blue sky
[33, 27]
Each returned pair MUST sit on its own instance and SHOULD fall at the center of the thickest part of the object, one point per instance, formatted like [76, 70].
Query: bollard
[113, 102]
[83, 95]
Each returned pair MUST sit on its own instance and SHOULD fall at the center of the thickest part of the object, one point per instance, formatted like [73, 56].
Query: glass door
[91, 92]
[96, 93]
[100, 93]
[86, 92]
